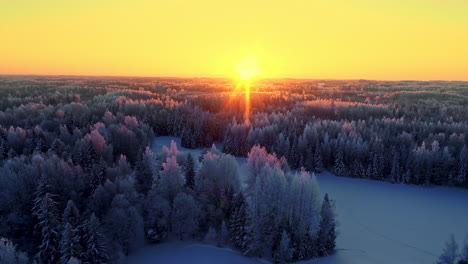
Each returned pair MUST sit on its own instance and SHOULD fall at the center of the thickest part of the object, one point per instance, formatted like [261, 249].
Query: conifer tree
[190, 172]
[318, 164]
[339, 169]
[45, 210]
[238, 223]
[449, 254]
[327, 233]
[284, 253]
[94, 250]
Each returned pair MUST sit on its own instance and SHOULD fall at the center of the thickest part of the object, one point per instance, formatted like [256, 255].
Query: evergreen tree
[157, 217]
[339, 169]
[45, 210]
[143, 175]
[464, 252]
[238, 223]
[463, 166]
[284, 252]
[223, 235]
[357, 170]
[94, 250]
[327, 233]
[318, 164]
[210, 236]
[69, 244]
[395, 173]
[190, 172]
[171, 180]
[185, 216]
[124, 225]
[98, 175]
[449, 254]
[71, 214]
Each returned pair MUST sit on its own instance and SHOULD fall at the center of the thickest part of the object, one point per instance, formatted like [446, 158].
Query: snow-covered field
[181, 253]
[379, 223]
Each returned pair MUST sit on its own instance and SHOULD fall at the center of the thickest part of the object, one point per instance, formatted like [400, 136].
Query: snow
[181, 253]
[383, 223]
[379, 222]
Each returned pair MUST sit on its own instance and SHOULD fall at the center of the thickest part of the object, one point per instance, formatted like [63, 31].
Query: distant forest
[80, 184]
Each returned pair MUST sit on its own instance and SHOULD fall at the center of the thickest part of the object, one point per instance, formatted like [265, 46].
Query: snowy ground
[182, 253]
[378, 223]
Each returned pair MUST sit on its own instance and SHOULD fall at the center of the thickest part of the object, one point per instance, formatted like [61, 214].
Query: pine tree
[464, 252]
[71, 234]
[463, 166]
[210, 236]
[190, 172]
[327, 233]
[45, 210]
[284, 253]
[339, 168]
[450, 252]
[223, 235]
[98, 175]
[318, 164]
[238, 223]
[3, 149]
[395, 173]
[71, 214]
[69, 244]
[95, 250]
[407, 178]
[357, 170]
[143, 175]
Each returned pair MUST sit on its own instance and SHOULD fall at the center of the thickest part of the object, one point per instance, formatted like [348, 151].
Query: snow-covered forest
[80, 182]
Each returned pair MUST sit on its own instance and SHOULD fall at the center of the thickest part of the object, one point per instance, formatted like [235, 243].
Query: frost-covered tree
[211, 236]
[463, 166]
[45, 210]
[94, 250]
[318, 164]
[223, 235]
[190, 172]
[124, 225]
[327, 232]
[265, 216]
[216, 183]
[185, 215]
[238, 223]
[70, 246]
[339, 168]
[395, 173]
[464, 252]
[157, 217]
[144, 172]
[71, 214]
[284, 252]
[449, 254]
[171, 180]
[9, 254]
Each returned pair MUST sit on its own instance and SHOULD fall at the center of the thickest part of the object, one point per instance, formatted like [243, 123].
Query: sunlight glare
[247, 68]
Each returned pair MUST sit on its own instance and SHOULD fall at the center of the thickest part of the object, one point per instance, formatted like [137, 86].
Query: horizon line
[226, 77]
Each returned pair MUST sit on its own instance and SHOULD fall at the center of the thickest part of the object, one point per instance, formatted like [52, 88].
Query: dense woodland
[80, 184]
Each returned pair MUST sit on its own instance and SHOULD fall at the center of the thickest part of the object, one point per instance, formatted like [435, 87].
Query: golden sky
[352, 39]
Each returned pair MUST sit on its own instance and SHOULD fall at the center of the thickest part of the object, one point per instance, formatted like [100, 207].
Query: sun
[247, 68]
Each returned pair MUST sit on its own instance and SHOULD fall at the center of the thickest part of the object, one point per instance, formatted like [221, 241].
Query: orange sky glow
[331, 39]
